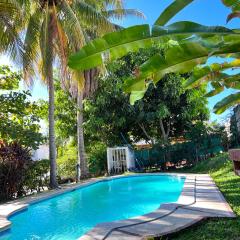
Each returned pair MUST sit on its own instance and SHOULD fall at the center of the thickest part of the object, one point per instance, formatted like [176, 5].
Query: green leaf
[9, 80]
[110, 47]
[117, 44]
[31, 44]
[136, 95]
[171, 11]
[226, 103]
[180, 58]
[232, 81]
[233, 4]
[208, 73]
[217, 88]
[188, 28]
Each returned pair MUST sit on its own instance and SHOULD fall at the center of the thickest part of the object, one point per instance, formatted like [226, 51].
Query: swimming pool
[71, 215]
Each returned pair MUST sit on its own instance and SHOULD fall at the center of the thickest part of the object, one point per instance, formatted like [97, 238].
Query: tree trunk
[52, 144]
[146, 134]
[82, 164]
[164, 133]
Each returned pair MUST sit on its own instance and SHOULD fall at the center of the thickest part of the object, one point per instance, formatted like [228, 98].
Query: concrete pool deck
[200, 199]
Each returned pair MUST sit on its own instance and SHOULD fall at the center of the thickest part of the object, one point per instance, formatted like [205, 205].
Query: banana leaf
[172, 10]
[226, 103]
[203, 73]
[117, 44]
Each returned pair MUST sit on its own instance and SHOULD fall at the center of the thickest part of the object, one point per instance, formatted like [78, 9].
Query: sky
[206, 12]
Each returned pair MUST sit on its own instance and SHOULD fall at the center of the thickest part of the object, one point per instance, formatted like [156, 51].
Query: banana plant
[187, 57]
[219, 81]
[193, 45]
[171, 11]
[117, 44]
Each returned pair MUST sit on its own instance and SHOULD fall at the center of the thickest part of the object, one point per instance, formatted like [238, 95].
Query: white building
[41, 153]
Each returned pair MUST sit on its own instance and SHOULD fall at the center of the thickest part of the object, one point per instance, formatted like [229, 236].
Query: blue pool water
[71, 215]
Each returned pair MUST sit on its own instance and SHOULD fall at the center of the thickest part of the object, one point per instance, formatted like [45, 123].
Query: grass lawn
[221, 170]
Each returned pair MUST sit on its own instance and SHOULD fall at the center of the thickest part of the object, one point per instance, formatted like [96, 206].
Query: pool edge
[187, 196]
[12, 207]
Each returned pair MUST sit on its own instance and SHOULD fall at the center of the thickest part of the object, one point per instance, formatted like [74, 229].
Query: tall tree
[88, 84]
[165, 111]
[53, 27]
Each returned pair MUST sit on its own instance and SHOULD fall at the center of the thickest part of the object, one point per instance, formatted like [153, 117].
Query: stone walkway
[200, 198]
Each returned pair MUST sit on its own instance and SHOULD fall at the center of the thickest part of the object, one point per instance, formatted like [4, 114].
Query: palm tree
[10, 41]
[87, 84]
[118, 11]
[51, 28]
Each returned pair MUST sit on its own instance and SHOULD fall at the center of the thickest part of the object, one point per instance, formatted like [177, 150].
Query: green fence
[178, 154]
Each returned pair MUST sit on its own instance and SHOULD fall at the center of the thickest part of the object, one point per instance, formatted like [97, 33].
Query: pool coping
[187, 198]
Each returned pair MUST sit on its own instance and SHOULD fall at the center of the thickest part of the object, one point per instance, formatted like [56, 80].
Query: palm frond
[61, 45]
[72, 23]
[10, 41]
[91, 16]
[122, 13]
[226, 103]
[10, 28]
[31, 46]
[8, 7]
[114, 3]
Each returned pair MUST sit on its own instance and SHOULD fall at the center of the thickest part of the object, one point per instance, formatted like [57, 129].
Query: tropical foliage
[20, 120]
[9, 80]
[110, 120]
[159, 66]
[50, 30]
[19, 175]
[64, 114]
[19, 116]
[14, 160]
[36, 178]
[190, 44]
[163, 113]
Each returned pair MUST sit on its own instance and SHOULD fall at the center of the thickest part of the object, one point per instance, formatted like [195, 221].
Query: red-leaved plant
[14, 161]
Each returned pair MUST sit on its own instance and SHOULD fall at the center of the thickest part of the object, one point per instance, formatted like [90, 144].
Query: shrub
[37, 176]
[67, 162]
[14, 162]
[97, 158]
[19, 175]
